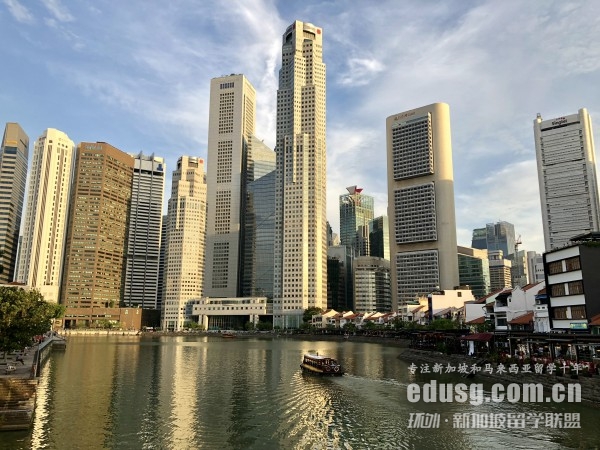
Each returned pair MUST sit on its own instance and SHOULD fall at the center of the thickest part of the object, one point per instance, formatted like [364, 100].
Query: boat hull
[316, 371]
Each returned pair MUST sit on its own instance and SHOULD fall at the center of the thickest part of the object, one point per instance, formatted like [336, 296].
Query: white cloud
[58, 10]
[361, 71]
[495, 63]
[19, 12]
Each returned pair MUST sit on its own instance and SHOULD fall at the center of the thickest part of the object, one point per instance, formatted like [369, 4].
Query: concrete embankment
[590, 385]
[18, 383]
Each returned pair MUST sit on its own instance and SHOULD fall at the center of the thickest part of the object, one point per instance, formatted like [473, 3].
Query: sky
[137, 76]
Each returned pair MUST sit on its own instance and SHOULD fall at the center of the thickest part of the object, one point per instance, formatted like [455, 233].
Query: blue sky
[137, 75]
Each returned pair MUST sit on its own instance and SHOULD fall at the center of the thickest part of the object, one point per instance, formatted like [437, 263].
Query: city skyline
[496, 65]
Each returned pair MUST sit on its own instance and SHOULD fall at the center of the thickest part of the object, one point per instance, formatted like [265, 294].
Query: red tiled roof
[542, 291]
[483, 299]
[476, 321]
[484, 337]
[595, 320]
[523, 319]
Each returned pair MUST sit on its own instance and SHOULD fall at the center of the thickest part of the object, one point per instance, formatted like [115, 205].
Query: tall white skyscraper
[300, 266]
[143, 242]
[46, 214]
[566, 162]
[230, 127]
[421, 203]
[186, 238]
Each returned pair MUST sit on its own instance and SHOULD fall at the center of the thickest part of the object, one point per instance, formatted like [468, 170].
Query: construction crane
[517, 243]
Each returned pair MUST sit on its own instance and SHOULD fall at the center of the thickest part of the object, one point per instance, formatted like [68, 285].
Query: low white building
[509, 304]
[224, 313]
[439, 300]
[324, 319]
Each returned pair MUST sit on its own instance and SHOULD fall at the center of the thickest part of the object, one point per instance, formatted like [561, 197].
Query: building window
[557, 290]
[560, 313]
[555, 267]
[578, 312]
[576, 287]
[573, 263]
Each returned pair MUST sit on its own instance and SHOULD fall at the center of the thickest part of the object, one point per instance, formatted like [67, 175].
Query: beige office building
[14, 151]
[230, 127]
[300, 266]
[421, 203]
[185, 243]
[566, 163]
[44, 231]
[97, 231]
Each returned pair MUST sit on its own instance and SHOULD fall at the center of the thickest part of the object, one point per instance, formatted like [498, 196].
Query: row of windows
[570, 264]
[563, 289]
[415, 215]
[577, 312]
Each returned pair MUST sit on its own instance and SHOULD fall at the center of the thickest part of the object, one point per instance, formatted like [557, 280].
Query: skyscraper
[259, 222]
[97, 228]
[421, 203]
[186, 239]
[371, 276]
[45, 226]
[13, 178]
[300, 278]
[379, 237]
[500, 270]
[566, 163]
[340, 286]
[230, 127]
[474, 270]
[144, 232]
[495, 236]
[356, 212]
[160, 291]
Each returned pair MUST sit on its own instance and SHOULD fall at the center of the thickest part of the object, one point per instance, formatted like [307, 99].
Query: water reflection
[209, 392]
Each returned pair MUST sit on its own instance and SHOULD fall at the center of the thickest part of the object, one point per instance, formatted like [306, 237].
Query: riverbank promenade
[19, 373]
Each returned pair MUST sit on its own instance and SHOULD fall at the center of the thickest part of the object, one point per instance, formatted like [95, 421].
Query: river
[191, 392]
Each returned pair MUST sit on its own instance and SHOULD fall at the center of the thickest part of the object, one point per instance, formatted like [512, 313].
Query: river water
[191, 392]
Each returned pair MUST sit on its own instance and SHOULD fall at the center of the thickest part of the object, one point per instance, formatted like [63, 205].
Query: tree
[24, 314]
[443, 324]
[309, 312]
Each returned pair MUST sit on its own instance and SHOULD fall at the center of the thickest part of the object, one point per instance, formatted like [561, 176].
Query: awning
[481, 337]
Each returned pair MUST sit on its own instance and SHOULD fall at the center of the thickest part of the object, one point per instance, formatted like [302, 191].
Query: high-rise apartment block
[300, 275]
[145, 222]
[97, 228]
[566, 164]
[421, 203]
[356, 213]
[231, 125]
[186, 238]
[13, 179]
[44, 231]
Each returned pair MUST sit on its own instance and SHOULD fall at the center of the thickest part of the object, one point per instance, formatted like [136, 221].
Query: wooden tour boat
[320, 365]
